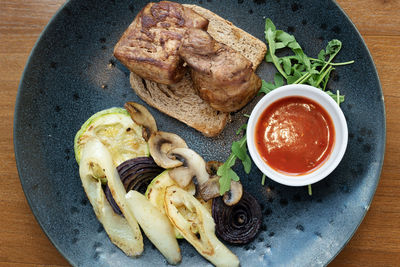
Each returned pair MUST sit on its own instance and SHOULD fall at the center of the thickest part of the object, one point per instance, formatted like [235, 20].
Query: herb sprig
[239, 150]
[296, 68]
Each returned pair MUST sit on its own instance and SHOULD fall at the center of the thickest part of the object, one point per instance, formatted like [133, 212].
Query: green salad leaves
[298, 68]
[295, 68]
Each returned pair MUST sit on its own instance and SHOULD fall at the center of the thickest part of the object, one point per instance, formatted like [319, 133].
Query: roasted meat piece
[149, 47]
[220, 74]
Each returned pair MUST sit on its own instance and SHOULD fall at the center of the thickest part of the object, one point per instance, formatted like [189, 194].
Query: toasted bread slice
[181, 101]
[225, 32]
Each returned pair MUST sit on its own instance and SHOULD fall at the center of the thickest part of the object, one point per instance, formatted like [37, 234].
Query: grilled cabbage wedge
[205, 242]
[117, 131]
[124, 232]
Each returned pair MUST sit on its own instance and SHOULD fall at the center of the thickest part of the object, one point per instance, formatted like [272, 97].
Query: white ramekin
[339, 122]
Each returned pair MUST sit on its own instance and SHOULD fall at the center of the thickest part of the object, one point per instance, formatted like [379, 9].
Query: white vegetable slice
[205, 242]
[156, 191]
[121, 233]
[155, 225]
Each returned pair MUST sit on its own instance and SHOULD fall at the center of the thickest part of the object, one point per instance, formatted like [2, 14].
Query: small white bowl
[340, 126]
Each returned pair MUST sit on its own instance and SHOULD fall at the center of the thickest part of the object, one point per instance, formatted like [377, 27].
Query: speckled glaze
[71, 74]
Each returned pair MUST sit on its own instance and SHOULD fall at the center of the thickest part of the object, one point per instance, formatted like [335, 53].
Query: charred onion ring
[237, 224]
[136, 174]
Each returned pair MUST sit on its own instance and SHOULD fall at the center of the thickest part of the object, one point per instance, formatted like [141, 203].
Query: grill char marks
[149, 47]
[221, 75]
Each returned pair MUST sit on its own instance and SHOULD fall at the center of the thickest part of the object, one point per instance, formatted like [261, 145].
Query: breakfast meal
[191, 64]
[197, 67]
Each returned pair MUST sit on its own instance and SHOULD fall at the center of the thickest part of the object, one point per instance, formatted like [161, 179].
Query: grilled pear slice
[155, 225]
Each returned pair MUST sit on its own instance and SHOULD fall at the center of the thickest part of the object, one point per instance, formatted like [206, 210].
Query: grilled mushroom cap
[160, 143]
[210, 189]
[193, 166]
[212, 167]
[234, 194]
[143, 117]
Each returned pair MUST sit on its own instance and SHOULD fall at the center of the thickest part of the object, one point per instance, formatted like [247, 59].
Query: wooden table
[23, 243]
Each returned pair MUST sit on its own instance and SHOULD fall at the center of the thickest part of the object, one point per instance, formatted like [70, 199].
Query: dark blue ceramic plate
[72, 74]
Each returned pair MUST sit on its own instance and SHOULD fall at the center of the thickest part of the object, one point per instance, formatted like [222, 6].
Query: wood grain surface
[23, 243]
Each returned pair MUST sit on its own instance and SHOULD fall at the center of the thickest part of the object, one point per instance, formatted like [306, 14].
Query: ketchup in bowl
[294, 135]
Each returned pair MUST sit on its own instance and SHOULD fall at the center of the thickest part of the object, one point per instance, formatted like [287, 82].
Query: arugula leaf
[239, 150]
[225, 179]
[278, 79]
[270, 36]
[333, 48]
[266, 87]
[322, 55]
[337, 98]
[241, 128]
[298, 68]
[279, 45]
[284, 37]
[287, 65]
[269, 25]
[233, 176]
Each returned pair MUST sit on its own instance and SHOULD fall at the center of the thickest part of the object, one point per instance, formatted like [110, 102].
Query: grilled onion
[237, 224]
[136, 174]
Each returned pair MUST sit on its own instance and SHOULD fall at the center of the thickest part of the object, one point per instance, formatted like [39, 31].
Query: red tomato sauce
[294, 135]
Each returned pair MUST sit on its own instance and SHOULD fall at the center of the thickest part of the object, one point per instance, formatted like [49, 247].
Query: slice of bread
[225, 32]
[181, 100]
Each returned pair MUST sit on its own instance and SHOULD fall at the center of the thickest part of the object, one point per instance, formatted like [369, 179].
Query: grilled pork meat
[149, 47]
[221, 75]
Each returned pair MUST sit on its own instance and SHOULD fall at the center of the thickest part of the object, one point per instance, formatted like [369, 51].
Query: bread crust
[225, 32]
[181, 102]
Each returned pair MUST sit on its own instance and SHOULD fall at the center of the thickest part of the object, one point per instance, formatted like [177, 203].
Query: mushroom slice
[160, 143]
[194, 166]
[143, 117]
[210, 189]
[213, 166]
[234, 194]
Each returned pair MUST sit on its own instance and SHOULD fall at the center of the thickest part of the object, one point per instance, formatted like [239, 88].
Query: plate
[71, 74]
